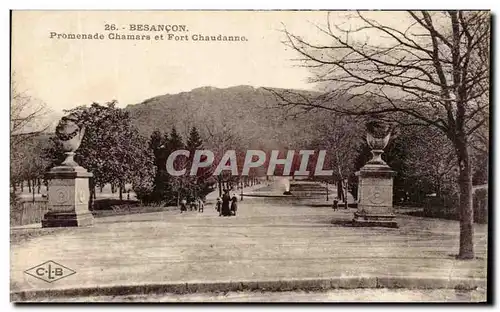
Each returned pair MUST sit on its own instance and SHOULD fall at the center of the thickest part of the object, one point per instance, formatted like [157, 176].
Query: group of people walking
[196, 205]
[227, 206]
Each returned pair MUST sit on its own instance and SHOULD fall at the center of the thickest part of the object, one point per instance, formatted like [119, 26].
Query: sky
[68, 73]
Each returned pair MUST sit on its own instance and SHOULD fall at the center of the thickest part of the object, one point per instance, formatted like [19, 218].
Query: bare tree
[220, 137]
[26, 115]
[430, 69]
[341, 137]
[26, 123]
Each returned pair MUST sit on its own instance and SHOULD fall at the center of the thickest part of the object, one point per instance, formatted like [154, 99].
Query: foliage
[27, 163]
[14, 199]
[194, 141]
[432, 164]
[481, 206]
[111, 148]
[113, 204]
[169, 189]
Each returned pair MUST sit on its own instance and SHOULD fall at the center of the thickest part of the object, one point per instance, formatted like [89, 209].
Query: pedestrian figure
[192, 206]
[218, 205]
[201, 205]
[183, 205]
[226, 199]
[234, 206]
[335, 205]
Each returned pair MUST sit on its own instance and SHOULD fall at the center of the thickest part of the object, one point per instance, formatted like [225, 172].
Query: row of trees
[113, 151]
[167, 188]
[117, 155]
[27, 125]
[428, 69]
[428, 73]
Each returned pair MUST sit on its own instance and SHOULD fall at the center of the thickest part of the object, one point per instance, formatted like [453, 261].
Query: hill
[240, 116]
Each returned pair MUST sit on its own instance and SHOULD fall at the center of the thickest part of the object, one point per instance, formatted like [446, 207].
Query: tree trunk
[22, 186]
[39, 186]
[33, 190]
[29, 185]
[438, 188]
[339, 190]
[121, 191]
[344, 191]
[91, 191]
[220, 186]
[466, 250]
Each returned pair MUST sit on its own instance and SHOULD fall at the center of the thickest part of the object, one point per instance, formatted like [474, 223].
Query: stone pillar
[375, 183]
[375, 197]
[68, 198]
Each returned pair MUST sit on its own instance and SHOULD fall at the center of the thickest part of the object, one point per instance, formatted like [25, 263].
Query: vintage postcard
[249, 156]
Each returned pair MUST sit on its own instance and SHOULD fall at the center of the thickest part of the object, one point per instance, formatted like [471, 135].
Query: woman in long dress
[226, 201]
[183, 205]
[234, 205]
[218, 206]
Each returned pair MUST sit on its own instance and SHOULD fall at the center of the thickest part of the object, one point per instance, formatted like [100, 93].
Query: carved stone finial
[70, 134]
[377, 137]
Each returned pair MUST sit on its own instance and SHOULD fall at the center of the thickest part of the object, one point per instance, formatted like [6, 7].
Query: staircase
[309, 189]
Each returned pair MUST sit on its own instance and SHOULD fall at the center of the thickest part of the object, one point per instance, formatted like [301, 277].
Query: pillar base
[374, 220]
[67, 219]
[68, 198]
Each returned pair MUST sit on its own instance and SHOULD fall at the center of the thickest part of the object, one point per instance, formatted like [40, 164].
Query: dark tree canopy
[194, 141]
[111, 148]
[175, 141]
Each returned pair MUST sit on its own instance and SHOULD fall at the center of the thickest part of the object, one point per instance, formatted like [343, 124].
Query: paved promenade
[271, 239]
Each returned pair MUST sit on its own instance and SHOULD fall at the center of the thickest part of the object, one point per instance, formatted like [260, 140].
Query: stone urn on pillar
[68, 198]
[376, 181]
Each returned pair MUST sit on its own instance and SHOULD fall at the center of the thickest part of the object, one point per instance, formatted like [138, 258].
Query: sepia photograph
[250, 156]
